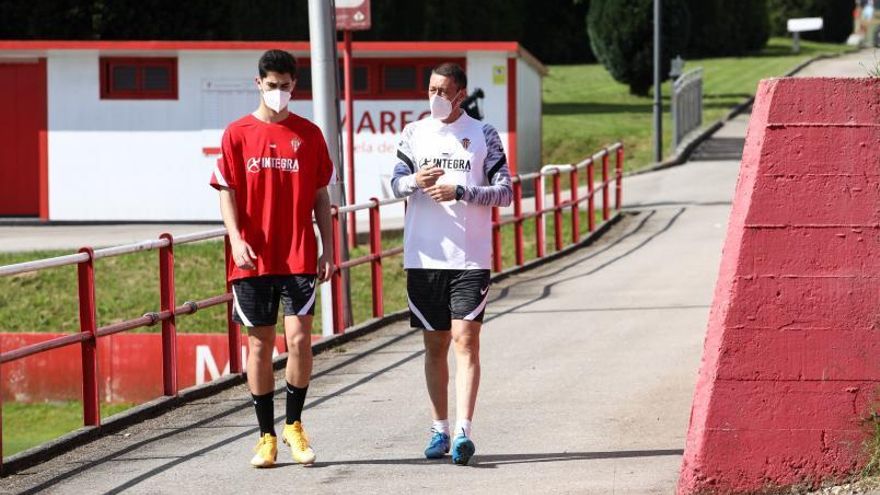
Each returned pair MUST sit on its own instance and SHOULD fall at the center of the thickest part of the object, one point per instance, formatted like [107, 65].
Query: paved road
[852, 65]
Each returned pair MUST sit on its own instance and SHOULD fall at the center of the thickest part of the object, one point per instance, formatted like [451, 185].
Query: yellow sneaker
[266, 452]
[294, 436]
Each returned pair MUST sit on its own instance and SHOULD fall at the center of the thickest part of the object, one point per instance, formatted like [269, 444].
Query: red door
[23, 142]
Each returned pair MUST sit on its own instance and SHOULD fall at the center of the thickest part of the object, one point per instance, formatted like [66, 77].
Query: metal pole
[349, 136]
[658, 101]
[325, 100]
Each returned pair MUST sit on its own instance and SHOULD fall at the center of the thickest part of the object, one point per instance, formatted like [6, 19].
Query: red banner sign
[129, 366]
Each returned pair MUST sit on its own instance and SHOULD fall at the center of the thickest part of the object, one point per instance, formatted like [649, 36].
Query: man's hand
[441, 192]
[325, 267]
[242, 254]
[427, 177]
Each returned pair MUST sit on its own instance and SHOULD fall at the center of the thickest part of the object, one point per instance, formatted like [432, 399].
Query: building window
[379, 79]
[143, 78]
[399, 79]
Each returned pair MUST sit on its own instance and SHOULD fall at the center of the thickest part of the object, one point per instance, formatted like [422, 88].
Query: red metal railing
[559, 205]
[374, 258]
[89, 332]
[377, 254]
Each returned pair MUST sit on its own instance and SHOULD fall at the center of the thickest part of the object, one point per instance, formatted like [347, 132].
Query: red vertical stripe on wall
[511, 115]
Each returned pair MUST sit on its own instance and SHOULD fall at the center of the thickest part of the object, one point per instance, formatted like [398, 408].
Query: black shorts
[436, 297]
[255, 299]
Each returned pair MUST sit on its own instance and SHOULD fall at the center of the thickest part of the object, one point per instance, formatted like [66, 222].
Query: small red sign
[352, 15]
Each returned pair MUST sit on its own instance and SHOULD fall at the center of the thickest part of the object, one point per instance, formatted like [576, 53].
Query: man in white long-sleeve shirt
[454, 170]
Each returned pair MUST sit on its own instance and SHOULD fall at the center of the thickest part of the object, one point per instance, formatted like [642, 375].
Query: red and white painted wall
[116, 131]
[788, 387]
[129, 366]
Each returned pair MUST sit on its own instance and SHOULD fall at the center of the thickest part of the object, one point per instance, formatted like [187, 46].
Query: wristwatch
[459, 192]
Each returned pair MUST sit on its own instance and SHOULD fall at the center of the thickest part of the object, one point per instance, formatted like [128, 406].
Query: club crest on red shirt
[295, 144]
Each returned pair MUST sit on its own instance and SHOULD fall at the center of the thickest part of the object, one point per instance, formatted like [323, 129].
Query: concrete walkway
[588, 371]
[589, 365]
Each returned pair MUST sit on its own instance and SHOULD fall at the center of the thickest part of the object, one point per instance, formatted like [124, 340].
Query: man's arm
[499, 193]
[403, 182]
[322, 217]
[242, 253]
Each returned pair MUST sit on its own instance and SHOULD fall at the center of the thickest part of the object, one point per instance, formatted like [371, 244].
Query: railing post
[591, 193]
[539, 218]
[575, 207]
[349, 137]
[336, 279]
[88, 323]
[169, 326]
[557, 211]
[232, 328]
[376, 264]
[618, 197]
[605, 185]
[1, 430]
[518, 223]
[496, 240]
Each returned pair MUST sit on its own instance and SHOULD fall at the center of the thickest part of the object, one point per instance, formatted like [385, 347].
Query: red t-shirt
[275, 170]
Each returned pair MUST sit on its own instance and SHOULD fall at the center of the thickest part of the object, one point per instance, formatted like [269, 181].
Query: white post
[325, 102]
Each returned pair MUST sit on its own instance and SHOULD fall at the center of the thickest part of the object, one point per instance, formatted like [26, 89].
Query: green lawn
[584, 108]
[27, 425]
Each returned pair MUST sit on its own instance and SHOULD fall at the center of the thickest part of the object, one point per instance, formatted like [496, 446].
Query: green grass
[28, 425]
[584, 108]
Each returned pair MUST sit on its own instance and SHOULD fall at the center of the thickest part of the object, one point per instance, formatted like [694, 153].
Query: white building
[130, 130]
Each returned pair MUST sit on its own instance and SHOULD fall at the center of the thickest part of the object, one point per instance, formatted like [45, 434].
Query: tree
[554, 30]
[621, 34]
[720, 29]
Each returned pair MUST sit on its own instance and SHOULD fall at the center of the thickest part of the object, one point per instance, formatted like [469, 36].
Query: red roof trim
[370, 46]
[408, 47]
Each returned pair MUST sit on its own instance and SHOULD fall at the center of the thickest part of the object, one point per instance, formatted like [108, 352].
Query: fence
[85, 260]
[687, 105]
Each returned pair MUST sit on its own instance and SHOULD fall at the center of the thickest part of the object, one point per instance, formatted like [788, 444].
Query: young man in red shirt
[273, 173]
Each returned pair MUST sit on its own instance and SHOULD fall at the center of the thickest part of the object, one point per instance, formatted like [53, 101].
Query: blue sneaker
[462, 450]
[438, 446]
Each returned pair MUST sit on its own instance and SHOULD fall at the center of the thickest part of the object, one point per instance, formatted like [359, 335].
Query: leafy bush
[621, 34]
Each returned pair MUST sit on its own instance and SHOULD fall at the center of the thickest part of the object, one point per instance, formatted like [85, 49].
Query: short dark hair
[453, 70]
[278, 61]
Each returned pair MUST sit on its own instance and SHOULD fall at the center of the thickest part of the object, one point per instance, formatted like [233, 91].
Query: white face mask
[276, 99]
[441, 108]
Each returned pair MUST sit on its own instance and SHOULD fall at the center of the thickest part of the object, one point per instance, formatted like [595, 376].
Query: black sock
[265, 413]
[296, 397]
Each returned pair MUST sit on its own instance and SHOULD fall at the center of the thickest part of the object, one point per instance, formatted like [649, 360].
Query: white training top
[453, 235]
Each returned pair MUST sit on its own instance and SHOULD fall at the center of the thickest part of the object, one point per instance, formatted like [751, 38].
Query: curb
[156, 407]
[682, 156]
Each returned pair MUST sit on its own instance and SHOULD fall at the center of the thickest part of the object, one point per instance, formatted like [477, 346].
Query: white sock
[440, 426]
[463, 427]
